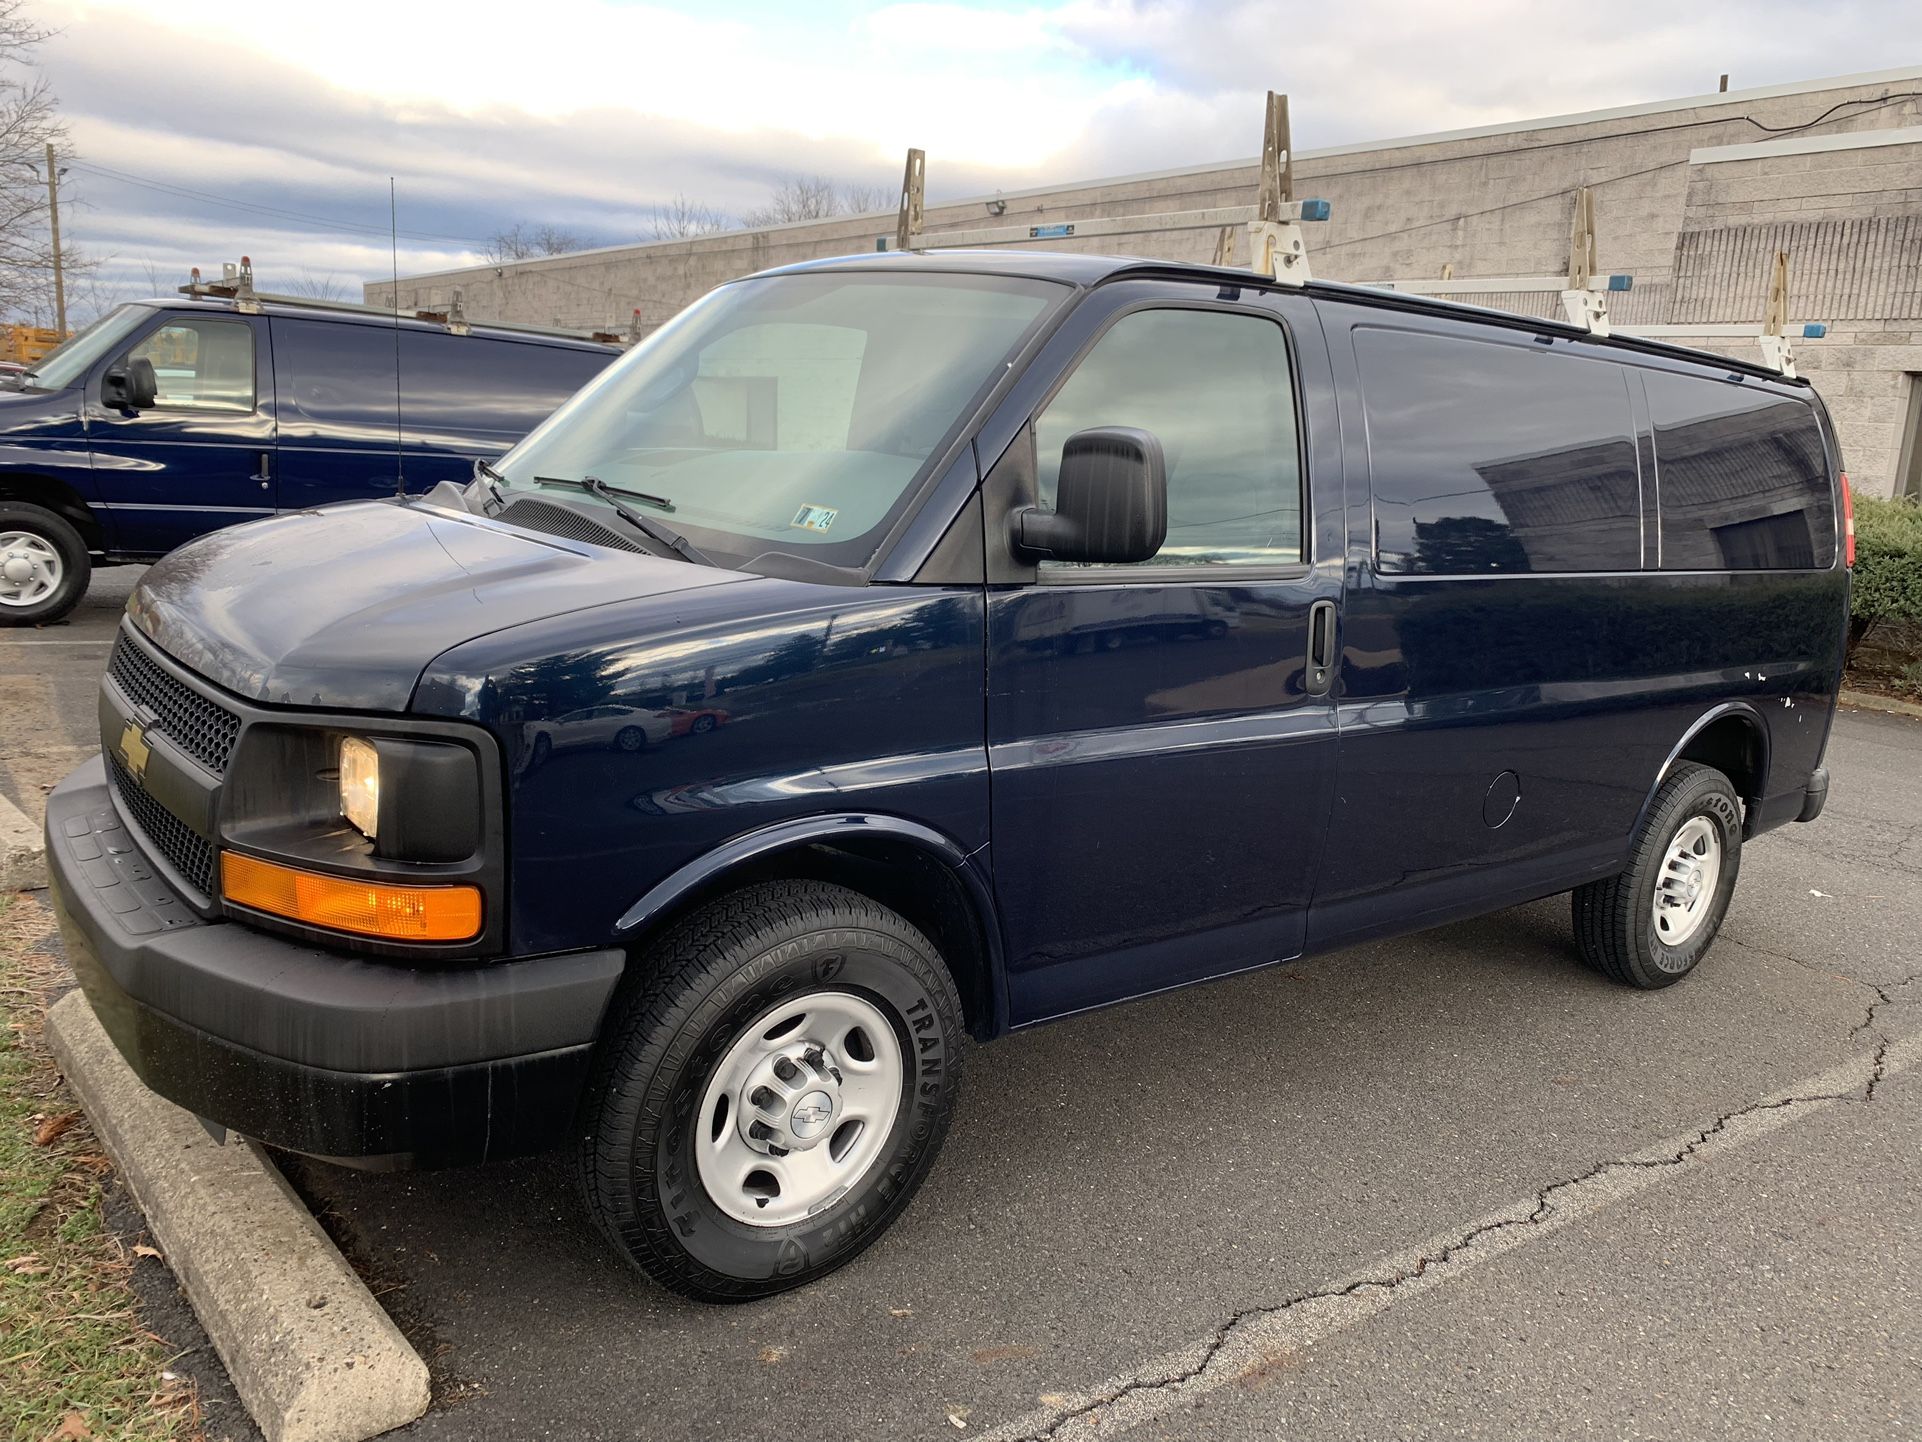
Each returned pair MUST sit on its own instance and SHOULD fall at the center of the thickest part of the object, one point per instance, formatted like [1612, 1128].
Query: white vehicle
[622, 728]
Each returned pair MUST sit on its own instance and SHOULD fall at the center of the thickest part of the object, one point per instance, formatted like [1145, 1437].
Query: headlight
[360, 785]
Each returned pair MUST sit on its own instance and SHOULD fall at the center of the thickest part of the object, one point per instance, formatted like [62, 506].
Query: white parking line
[103, 641]
[1257, 1339]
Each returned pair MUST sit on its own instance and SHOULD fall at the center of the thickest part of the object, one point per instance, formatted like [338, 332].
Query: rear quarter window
[1491, 458]
[1742, 479]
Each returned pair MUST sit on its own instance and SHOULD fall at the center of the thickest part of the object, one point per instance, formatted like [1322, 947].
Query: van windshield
[791, 413]
[67, 363]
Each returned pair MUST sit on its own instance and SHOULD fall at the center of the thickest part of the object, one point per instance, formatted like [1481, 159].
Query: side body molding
[841, 827]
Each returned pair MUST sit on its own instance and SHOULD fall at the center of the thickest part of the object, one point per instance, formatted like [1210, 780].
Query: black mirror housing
[1111, 501]
[130, 386]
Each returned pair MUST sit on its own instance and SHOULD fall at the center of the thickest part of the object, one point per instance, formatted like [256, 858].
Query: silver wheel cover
[1685, 885]
[799, 1108]
[30, 568]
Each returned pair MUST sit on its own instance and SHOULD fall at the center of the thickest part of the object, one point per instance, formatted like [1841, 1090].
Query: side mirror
[130, 386]
[1111, 501]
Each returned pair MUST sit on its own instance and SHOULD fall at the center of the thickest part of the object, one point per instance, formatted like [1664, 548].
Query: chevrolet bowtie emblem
[134, 750]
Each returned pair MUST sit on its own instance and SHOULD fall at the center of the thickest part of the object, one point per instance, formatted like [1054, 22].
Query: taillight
[1848, 523]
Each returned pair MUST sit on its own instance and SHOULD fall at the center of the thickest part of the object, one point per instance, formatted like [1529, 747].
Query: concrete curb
[1869, 701]
[310, 1351]
[23, 850]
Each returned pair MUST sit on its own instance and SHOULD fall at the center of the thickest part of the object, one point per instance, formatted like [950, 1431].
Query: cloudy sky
[201, 130]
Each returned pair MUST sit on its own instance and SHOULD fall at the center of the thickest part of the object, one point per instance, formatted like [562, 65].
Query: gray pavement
[1122, 1185]
[49, 684]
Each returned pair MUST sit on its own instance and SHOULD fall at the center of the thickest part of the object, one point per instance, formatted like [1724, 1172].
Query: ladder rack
[1277, 244]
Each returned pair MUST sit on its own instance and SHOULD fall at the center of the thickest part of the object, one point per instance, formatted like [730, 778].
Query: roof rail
[236, 283]
[1276, 243]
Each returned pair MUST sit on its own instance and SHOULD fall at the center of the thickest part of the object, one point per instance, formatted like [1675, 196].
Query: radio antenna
[400, 435]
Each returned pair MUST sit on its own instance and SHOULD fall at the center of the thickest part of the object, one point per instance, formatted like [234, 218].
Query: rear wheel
[630, 738]
[44, 566]
[769, 1098]
[1648, 926]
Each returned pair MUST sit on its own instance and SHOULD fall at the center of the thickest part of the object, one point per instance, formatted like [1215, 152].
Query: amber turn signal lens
[340, 903]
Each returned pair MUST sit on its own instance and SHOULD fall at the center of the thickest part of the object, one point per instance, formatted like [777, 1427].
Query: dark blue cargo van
[170, 418]
[916, 647]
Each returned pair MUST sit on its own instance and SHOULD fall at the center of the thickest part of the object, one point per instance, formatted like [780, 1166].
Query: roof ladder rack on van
[1584, 293]
[1775, 335]
[1277, 246]
[236, 284]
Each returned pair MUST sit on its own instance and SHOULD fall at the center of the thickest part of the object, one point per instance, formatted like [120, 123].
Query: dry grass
[75, 1362]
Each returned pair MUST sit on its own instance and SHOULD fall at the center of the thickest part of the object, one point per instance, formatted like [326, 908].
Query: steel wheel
[799, 1108]
[1685, 886]
[30, 568]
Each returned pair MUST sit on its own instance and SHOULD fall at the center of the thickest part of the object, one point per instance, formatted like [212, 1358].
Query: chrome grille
[184, 849]
[197, 724]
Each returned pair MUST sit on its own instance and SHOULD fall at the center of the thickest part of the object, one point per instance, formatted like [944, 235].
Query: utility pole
[59, 275]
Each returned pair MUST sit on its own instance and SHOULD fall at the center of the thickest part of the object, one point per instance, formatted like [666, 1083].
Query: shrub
[1888, 564]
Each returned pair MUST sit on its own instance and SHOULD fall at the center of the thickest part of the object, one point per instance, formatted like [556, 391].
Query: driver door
[1161, 763]
[202, 456]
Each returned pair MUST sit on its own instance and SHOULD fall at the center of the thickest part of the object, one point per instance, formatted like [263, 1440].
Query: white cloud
[587, 113]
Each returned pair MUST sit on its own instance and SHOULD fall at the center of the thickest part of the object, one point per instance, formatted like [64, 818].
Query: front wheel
[1648, 926]
[44, 566]
[770, 1096]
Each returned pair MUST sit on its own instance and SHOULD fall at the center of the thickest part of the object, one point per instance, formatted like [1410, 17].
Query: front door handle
[1321, 649]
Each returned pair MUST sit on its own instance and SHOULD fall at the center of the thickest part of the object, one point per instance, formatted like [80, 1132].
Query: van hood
[344, 607]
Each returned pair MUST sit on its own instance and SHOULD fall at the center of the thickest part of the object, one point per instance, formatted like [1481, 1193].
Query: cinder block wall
[1489, 202]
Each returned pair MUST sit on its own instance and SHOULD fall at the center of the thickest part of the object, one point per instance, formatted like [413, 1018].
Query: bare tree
[860, 198]
[799, 197]
[526, 241]
[815, 197]
[682, 219]
[29, 122]
[317, 287]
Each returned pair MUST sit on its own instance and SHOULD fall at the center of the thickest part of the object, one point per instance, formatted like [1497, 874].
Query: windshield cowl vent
[565, 522]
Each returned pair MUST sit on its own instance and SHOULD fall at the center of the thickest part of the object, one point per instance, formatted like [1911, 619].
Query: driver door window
[201, 364]
[1217, 389]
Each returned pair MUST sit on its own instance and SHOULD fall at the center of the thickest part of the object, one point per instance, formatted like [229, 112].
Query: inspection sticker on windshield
[814, 518]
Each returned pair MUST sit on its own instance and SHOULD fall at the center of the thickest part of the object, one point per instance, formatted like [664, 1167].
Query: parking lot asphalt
[1262, 1208]
[50, 680]
[1125, 1184]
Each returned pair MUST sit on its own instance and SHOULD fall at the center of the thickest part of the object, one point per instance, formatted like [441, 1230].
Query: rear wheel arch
[1731, 738]
[909, 868]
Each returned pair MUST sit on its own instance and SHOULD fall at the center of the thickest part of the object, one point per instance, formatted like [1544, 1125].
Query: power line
[188, 193]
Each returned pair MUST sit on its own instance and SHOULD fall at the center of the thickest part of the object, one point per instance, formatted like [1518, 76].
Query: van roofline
[354, 313]
[1086, 271]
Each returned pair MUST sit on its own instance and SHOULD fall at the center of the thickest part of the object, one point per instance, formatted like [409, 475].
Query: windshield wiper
[652, 529]
[593, 481]
[492, 478]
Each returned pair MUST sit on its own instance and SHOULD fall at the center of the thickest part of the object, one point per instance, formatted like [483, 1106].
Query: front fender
[833, 828]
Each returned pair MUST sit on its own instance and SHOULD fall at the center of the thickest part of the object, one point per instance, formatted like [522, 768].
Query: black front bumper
[311, 1050]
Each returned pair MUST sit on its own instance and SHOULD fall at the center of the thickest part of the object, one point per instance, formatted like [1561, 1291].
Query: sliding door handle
[1321, 649]
[263, 468]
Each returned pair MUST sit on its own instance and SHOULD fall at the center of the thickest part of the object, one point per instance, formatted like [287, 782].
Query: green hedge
[1888, 563]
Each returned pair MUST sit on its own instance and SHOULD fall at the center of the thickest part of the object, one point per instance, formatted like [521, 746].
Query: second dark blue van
[170, 418]
[914, 647]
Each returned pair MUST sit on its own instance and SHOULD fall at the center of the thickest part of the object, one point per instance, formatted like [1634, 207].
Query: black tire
[1615, 927]
[702, 725]
[543, 747]
[76, 566]
[709, 980]
[630, 738]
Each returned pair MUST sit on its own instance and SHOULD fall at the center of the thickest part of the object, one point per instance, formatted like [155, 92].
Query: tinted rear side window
[463, 386]
[1741, 475]
[340, 380]
[1493, 458]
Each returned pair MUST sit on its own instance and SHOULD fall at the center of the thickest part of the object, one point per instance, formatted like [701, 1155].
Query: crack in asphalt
[1198, 1358]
